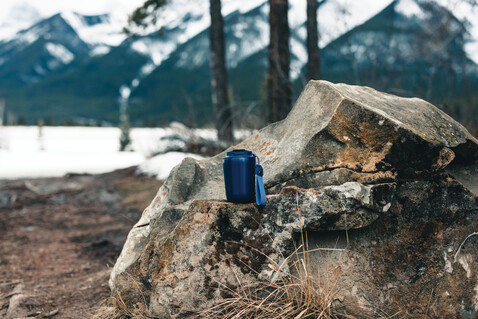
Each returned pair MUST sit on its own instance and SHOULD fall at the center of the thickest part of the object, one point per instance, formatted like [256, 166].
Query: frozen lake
[24, 153]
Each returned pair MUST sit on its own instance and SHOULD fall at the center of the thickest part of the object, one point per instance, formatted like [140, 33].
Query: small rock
[19, 306]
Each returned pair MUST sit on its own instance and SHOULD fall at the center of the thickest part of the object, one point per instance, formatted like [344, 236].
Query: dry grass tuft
[116, 308]
[298, 294]
[293, 292]
[109, 312]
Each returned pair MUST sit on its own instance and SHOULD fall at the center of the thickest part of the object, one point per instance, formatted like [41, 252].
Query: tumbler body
[239, 176]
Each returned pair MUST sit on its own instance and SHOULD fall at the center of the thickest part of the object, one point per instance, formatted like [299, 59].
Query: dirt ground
[60, 237]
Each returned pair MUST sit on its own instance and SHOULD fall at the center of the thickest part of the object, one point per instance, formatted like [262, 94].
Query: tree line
[278, 79]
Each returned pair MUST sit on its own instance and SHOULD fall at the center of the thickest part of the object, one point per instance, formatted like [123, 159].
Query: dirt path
[60, 236]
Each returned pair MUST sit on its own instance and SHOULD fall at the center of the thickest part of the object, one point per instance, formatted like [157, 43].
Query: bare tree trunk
[2, 110]
[313, 50]
[279, 61]
[219, 83]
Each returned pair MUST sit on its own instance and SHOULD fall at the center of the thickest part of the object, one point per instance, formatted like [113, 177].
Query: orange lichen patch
[360, 177]
[164, 194]
[268, 143]
[290, 191]
[364, 144]
[198, 216]
[245, 144]
[378, 177]
[445, 157]
[165, 254]
[448, 116]
[257, 136]
[202, 205]
[347, 126]
[264, 143]
[144, 211]
[269, 153]
[202, 218]
[314, 192]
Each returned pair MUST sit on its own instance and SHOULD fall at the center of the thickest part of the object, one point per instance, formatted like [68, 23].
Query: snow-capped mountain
[369, 53]
[46, 46]
[247, 32]
[37, 51]
[187, 19]
[77, 65]
[410, 48]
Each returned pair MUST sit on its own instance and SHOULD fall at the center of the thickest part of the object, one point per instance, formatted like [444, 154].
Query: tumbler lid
[239, 152]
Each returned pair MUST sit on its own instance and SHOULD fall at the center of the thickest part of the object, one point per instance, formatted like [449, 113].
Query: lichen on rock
[394, 173]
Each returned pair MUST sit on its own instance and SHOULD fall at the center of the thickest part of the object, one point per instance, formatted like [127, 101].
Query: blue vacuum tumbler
[243, 178]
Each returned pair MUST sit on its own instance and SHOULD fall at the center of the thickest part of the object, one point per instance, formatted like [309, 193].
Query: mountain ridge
[165, 75]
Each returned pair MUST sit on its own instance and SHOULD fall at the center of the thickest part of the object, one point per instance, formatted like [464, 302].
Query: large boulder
[392, 181]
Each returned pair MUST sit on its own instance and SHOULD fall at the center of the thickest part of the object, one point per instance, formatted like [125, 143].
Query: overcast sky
[48, 7]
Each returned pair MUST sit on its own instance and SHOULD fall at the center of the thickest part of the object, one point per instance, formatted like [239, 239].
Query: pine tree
[313, 50]
[219, 83]
[279, 61]
[148, 13]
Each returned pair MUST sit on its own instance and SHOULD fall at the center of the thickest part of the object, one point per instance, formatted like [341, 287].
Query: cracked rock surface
[387, 173]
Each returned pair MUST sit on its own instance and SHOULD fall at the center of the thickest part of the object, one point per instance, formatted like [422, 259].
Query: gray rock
[210, 243]
[20, 304]
[345, 158]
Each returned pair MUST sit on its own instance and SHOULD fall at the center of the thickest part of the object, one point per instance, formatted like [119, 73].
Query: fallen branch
[33, 188]
[51, 313]
[462, 243]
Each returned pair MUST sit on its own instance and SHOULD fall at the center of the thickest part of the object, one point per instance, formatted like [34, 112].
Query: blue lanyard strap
[260, 190]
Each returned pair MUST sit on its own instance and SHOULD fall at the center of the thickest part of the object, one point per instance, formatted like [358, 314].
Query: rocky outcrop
[394, 176]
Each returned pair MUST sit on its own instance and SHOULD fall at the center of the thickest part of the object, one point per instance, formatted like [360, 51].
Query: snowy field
[25, 153]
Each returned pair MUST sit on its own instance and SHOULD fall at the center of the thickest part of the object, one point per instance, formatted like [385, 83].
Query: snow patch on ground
[60, 150]
[161, 165]
[25, 164]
